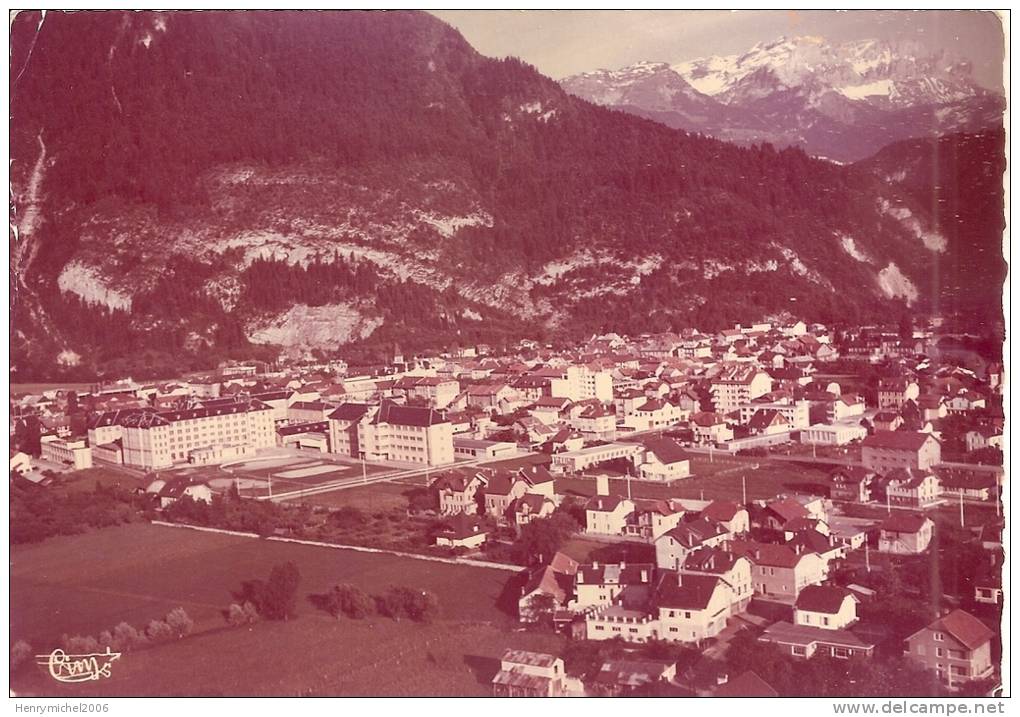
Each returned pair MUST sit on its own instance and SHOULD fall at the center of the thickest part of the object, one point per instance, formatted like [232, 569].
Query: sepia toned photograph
[509, 353]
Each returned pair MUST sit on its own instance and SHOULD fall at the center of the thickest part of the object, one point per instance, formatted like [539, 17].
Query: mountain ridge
[843, 102]
[427, 194]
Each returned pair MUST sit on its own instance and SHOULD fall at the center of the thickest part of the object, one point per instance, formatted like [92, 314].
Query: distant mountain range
[839, 101]
[193, 186]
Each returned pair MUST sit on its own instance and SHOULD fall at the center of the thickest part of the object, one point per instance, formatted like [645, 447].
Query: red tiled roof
[721, 511]
[748, 684]
[779, 556]
[666, 450]
[897, 440]
[687, 592]
[965, 628]
[822, 598]
[604, 503]
[904, 523]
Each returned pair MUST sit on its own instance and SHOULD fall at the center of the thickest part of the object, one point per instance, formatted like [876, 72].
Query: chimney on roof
[595, 564]
[679, 579]
[602, 485]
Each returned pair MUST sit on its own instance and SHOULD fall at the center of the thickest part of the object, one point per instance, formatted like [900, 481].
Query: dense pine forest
[399, 105]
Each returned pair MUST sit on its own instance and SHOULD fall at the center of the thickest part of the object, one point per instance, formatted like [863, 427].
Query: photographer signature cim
[78, 668]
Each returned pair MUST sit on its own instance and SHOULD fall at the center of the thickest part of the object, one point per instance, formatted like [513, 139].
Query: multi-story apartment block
[737, 385]
[161, 439]
[797, 413]
[579, 383]
[390, 432]
[887, 450]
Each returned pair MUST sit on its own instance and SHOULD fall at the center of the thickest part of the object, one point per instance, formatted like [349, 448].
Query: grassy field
[370, 498]
[719, 480]
[37, 388]
[86, 480]
[85, 584]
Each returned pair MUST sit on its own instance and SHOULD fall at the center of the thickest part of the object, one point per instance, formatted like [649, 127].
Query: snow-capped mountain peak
[843, 101]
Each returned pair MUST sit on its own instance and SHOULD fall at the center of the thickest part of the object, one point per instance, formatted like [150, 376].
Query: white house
[664, 460]
[692, 608]
[607, 514]
[826, 606]
[905, 533]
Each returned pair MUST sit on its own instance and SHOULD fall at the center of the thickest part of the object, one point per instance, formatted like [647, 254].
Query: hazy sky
[565, 42]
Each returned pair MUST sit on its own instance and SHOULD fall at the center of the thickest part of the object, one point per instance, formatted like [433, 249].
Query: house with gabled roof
[826, 606]
[654, 413]
[532, 506]
[501, 490]
[529, 674]
[731, 516]
[598, 584]
[710, 428]
[691, 608]
[651, 518]
[166, 492]
[746, 684]
[734, 570]
[983, 437]
[887, 421]
[552, 583]
[887, 450]
[851, 484]
[905, 533]
[894, 392]
[957, 647]
[595, 422]
[775, 514]
[767, 422]
[623, 677]
[781, 571]
[664, 459]
[908, 488]
[673, 546]
[457, 490]
[607, 514]
[461, 531]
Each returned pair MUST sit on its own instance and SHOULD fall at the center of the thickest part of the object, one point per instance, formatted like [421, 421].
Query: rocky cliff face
[202, 181]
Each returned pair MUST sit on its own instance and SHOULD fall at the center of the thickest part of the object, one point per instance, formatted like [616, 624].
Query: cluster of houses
[641, 408]
[721, 567]
[750, 387]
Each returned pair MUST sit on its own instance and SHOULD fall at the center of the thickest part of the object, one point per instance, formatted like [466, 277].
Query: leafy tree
[541, 539]
[275, 598]
[159, 631]
[238, 615]
[179, 621]
[398, 602]
[126, 637]
[349, 600]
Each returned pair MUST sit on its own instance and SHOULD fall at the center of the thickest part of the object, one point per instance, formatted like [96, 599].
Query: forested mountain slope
[314, 179]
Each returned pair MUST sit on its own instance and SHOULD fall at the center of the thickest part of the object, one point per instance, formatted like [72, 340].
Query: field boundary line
[356, 548]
